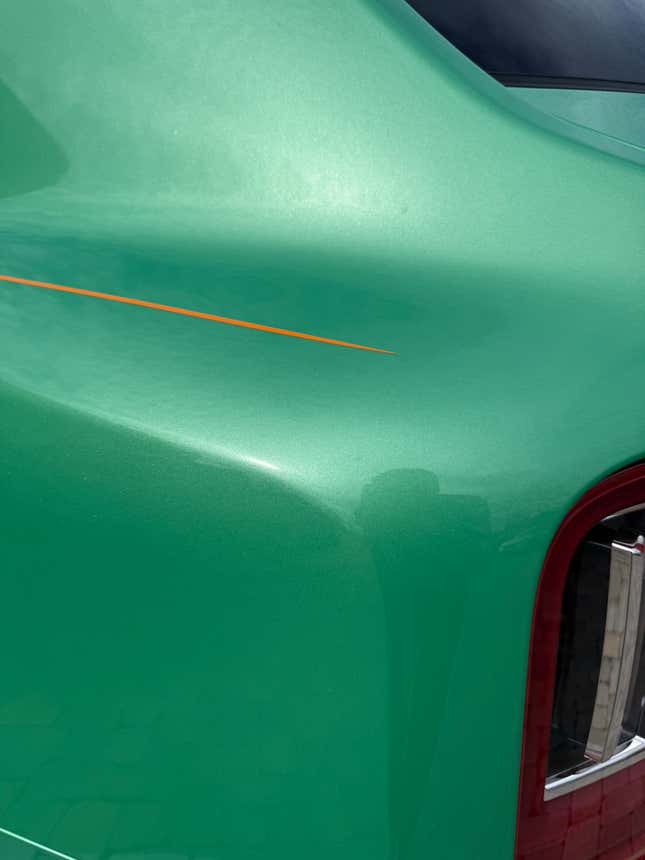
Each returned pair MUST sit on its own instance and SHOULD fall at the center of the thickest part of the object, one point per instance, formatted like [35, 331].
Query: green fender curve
[266, 596]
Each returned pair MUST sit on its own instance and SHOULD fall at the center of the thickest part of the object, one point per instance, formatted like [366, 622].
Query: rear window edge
[546, 82]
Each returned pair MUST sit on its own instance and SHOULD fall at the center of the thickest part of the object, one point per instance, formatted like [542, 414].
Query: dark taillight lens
[582, 793]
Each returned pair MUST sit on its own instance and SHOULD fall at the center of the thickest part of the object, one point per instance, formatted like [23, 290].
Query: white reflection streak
[257, 462]
[36, 845]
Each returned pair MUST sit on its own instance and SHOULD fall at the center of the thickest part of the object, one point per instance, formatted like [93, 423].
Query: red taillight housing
[582, 781]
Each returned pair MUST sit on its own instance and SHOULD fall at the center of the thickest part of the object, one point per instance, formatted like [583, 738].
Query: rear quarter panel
[262, 596]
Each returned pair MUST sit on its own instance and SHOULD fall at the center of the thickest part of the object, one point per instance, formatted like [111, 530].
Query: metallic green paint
[619, 115]
[186, 312]
[265, 598]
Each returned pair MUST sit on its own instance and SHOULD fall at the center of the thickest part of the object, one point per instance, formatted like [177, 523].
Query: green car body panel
[615, 114]
[265, 596]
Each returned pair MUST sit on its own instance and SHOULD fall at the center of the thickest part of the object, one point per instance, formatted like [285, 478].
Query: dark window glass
[590, 44]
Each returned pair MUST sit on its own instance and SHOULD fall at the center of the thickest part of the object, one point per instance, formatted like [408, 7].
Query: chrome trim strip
[633, 752]
[629, 510]
[622, 626]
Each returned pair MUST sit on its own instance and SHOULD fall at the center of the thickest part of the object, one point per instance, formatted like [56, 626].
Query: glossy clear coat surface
[264, 597]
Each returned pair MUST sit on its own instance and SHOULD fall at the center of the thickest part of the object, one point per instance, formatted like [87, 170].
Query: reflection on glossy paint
[23, 840]
[218, 654]
[213, 638]
[255, 461]
[423, 544]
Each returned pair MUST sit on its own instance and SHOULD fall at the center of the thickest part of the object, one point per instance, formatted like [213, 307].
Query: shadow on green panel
[29, 157]
[421, 542]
